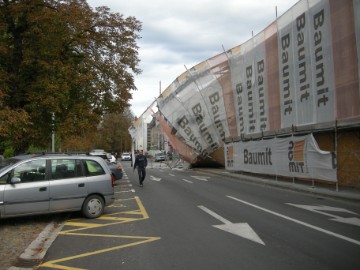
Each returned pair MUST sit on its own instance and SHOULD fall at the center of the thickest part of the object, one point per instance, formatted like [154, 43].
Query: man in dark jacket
[141, 163]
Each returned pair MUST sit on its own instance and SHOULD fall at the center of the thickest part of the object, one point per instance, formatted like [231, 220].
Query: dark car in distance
[115, 168]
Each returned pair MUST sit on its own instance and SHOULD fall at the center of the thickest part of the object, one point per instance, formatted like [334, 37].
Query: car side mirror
[15, 180]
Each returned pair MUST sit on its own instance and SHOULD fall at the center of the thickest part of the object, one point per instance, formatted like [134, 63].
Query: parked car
[115, 168]
[125, 157]
[112, 158]
[103, 155]
[46, 183]
[159, 157]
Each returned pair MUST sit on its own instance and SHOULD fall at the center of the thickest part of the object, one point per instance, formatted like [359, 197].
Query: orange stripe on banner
[345, 59]
[299, 148]
[272, 76]
[230, 152]
[221, 70]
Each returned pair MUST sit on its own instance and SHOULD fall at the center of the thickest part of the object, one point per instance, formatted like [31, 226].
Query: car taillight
[112, 180]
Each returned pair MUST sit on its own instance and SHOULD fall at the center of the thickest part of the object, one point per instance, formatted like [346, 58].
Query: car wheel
[93, 206]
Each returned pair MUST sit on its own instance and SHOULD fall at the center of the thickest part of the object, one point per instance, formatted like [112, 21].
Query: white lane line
[125, 191]
[323, 209]
[187, 181]
[299, 222]
[201, 178]
[123, 186]
[155, 178]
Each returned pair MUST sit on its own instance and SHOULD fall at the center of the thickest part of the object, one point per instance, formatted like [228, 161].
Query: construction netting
[302, 70]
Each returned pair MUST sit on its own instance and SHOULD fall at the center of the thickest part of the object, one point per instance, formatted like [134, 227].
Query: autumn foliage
[65, 59]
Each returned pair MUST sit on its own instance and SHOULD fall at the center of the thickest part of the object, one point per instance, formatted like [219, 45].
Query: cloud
[186, 32]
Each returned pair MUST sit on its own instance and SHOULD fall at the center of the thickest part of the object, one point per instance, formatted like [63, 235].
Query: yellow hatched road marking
[123, 200]
[117, 218]
[100, 226]
[141, 212]
[54, 263]
[83, 225]
[131, 212]
[135, 212]
[142, 208]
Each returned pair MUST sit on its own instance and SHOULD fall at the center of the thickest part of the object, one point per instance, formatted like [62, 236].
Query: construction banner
[291, 157]
[301, 73]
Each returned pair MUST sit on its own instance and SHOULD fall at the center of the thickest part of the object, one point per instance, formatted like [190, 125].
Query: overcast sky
[178, 33]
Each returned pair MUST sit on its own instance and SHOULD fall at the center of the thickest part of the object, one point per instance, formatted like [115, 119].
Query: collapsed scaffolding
[287, 81]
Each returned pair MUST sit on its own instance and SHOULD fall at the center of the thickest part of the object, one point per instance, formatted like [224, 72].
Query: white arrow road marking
[155, 178]
[201, 178]
[171, 174]
[239, 229]
[299, 222]
[188, 181]
[320, 208]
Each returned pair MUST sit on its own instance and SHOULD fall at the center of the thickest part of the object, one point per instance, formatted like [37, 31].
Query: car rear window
[93, 168]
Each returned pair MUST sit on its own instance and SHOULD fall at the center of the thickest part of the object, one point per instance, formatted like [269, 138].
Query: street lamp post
[53, 133]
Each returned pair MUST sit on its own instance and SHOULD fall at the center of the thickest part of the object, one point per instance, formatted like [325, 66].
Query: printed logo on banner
[230, 156]
[297, 156]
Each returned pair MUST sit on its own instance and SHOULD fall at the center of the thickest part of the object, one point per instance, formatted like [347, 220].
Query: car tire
[93, 206]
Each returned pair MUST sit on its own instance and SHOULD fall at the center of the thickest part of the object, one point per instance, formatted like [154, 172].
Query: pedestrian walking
[141, 163]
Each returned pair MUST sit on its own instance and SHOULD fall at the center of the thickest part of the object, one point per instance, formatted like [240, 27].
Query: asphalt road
[196, 220]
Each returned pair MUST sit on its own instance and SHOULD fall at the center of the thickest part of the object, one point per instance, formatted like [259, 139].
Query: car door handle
[81, 185]
[42, 189]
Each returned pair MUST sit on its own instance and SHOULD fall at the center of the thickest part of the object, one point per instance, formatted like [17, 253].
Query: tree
[62, 57]
[113, 134]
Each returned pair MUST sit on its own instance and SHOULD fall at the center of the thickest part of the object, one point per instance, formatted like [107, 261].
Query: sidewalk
[327, 190]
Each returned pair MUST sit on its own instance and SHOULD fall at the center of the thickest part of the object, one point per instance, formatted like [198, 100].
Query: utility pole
[53, 133]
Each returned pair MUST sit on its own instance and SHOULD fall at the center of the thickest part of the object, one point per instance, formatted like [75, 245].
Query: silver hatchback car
[39, 184]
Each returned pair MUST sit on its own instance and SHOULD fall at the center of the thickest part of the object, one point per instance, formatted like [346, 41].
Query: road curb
[36, 251]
